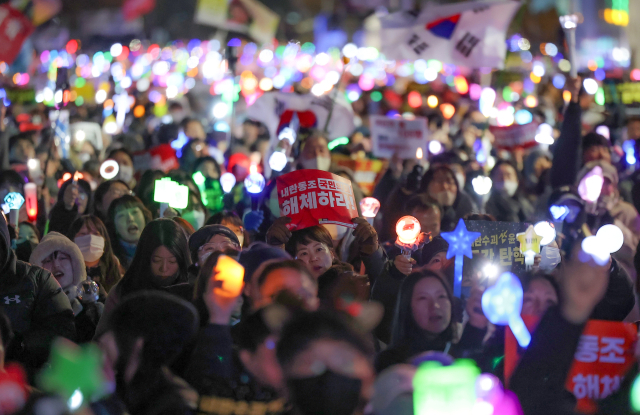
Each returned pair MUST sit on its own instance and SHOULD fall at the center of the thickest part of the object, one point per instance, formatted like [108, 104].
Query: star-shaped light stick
[502, 304]
[460, 241]
[529, 245]
[75, 372]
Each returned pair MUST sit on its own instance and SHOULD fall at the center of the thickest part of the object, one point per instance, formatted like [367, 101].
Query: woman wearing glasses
[74, 200]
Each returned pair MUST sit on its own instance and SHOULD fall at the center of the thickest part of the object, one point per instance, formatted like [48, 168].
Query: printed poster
[398, 136]
[498, 244]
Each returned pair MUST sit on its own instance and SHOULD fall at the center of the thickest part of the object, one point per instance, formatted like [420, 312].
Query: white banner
[399, 136]
[470, 34]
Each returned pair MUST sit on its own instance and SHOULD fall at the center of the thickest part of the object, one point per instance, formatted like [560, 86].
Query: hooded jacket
[37, 307]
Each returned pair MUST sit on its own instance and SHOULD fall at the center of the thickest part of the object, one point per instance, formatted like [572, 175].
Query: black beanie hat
[165, 322]
[438, 244]
[593, 140]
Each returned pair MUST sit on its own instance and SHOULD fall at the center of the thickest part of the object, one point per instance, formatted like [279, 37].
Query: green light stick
[169, 193]
[445, 390]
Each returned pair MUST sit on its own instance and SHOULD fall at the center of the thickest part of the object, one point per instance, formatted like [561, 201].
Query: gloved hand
[366, 236]
[278, 234]
[253, 219]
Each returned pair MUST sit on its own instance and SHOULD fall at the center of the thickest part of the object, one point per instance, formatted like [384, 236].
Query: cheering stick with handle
[569, 24]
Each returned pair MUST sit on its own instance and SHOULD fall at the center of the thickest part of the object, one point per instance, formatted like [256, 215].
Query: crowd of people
[330, 320]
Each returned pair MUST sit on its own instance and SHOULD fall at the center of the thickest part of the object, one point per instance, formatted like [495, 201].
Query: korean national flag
[470, 34]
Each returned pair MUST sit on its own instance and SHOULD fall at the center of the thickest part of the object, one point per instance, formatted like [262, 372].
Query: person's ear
[134, 360]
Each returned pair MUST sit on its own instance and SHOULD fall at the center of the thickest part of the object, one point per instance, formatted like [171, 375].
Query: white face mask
[318, 163]
[510, 187]
[445, 198]
[550, 258]
[337, 231]
[195, 218]
[91, 246]
[125, 173]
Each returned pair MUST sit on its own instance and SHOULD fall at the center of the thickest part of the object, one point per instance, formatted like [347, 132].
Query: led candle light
[408, 229]
[445, 390]
[606, 241]
[569, 24]
[529, 245]
[231, 275]
[502, 304]
[14, 200]
[460, 241]
[369, 207]
[31, 197]
[169, 193]
[254, 183]
[109, 169]
[227, 181]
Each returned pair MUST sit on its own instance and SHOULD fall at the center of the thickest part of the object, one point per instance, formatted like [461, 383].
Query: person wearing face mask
[58, 255]
[424, 321]
[195, 212]
[125, 166]
[326, 362]
[127, 219]
[160, 263]
[74, 200]
[441, 185]
[506, 203]
[92, 237]
[145, 335]
[315, 154]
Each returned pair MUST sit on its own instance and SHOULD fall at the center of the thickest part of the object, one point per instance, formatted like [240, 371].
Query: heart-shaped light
[14, 200]
[546, 230]
[559, 212]
[606, 241]
[502, 304]
[482, 185]
[591, 185]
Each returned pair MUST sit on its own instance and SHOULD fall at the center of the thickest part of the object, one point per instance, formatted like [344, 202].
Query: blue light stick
[502, 304]
[460, 241]
[14, 200]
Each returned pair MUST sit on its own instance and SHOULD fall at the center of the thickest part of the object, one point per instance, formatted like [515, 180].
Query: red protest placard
[15, 28]
[314, 197]
[604, 355]
[514, 136]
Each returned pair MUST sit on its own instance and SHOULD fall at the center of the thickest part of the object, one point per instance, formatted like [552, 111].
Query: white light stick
[14, 200]
[122, 103]
[109, 169]
[227, 181]
[35, 172]
[369, 207]
[606, 241]
[569, 24]
[546, 230]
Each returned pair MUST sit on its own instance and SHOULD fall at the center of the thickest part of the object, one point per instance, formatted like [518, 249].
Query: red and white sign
[132, 9]
[605, 353]
[15, 28]
[398, 136]
[315, 197]
[161, 157]
[514, 136]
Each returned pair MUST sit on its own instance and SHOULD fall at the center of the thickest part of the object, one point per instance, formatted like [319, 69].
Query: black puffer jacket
[37, 307]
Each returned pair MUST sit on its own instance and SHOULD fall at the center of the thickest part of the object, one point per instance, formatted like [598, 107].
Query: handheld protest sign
[408, 229]
[14, 200]
[369, 206]
[31, 198]
[529, 245]
[502, 304]
[315, 197]
[231, 275]
[460, 241]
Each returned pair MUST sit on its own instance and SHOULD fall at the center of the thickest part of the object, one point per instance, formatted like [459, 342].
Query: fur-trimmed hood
[55, 241]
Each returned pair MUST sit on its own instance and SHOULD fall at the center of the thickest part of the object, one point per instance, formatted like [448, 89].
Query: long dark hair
[405, 332]
[428, 177]
[109, 270]
[124, 202]
[86, 187]
[99, 195]
[157, 233]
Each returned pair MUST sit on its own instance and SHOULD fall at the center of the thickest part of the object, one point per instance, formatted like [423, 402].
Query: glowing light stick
[590, 186]
[529, 245]
[445, 390]
[254, 183]
[634, 395]
[31, 196]
[169, 193]
[278, 160]
[569, 24]
[502, 304]
[13, 389]
[35, 172]
[109, 169]
[408, 229]
[227, 181]
[460, 241]
[369, 207]
[547, 231]
[606, 241]
[231, 275]
[122, 104]
[559, 212]
[14, 200]
[482, 185]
